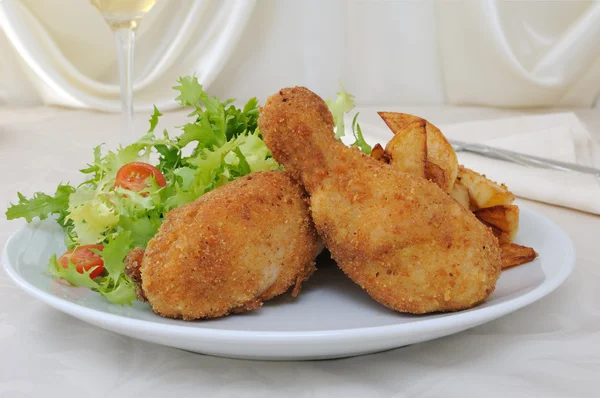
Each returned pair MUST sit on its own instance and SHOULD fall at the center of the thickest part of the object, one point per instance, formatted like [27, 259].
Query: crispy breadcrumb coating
[403, 240]
[229, 251]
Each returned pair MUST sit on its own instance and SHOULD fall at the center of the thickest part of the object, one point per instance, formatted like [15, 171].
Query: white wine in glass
[123, 17]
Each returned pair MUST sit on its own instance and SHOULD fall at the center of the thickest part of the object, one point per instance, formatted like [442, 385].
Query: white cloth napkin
[559, 136]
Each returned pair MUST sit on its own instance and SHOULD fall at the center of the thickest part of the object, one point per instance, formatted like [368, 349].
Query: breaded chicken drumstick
[407, 243]
[233, 248]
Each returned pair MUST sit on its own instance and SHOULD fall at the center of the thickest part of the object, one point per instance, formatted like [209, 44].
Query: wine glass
[123, 17]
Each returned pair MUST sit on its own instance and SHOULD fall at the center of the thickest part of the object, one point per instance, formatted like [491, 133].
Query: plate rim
[468, 318]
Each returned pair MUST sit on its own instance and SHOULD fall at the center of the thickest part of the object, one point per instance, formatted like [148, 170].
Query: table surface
[550, 349]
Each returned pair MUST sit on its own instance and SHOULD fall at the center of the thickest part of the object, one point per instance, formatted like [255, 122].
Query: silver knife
[525, 160]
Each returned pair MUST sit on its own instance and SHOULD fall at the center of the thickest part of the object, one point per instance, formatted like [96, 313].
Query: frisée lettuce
[343, 104]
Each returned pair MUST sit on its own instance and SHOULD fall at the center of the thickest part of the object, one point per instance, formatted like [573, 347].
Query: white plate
[331, 318]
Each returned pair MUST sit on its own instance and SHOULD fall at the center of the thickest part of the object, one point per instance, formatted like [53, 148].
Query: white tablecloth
[549, 349]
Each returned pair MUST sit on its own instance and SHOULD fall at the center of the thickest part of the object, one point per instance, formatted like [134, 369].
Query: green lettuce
[70, 274]
[358, 136]
[41, 205]
[343, 104]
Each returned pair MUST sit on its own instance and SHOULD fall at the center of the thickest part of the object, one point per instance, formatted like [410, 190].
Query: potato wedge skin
[483, 191]
[441, 154]
[461, 194]
[441, 164]
[408, 150]
[437, 175]
[378, 153]
[513, 254]
[503, 217]
[398, 121]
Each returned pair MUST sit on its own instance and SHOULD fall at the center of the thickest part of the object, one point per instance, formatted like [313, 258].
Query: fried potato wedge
[513, 254]
[408, 149]
[484, 192]
[378, 153]
[460, 194]
[437, 175]
[498, 233]
[398, 121]
[503, 217]
[441, 165]
[441, 154]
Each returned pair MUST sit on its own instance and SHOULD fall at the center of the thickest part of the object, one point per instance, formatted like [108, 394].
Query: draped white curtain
[489, 52]
[69, 54]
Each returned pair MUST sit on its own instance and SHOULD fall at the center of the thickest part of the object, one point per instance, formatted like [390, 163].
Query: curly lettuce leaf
[142, 229]
[154, 119]
[209, 165]
[240, 156]
[192, 94]
[358, 136]
[121, 291]
[239, 121]
[70, 273]
[343, 104]
[170, 159]
[134, 204]
[114, 252]
[41, 205]
[94, 167]
[202, 132]
[210, 125]
[216, 122]
[256, 153]
[83, 194]
[93, 219]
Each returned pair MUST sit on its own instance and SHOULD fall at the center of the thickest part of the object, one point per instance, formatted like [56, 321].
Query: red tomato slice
[134, 176]
[84, 259]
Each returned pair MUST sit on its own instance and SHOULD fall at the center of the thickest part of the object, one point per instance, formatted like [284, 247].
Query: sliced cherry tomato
[134, 176]
[84, 259]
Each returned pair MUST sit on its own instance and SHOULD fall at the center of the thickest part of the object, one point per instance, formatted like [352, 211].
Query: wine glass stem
[125, 43]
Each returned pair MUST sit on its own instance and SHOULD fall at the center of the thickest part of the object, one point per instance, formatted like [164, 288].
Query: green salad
[128, 192]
